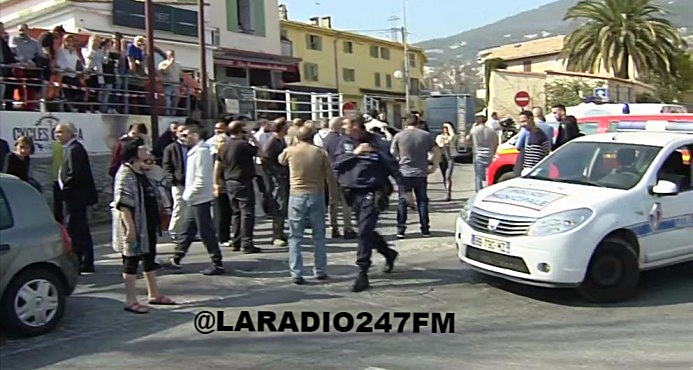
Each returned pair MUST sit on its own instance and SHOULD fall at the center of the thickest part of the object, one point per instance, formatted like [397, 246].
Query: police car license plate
[492, 245]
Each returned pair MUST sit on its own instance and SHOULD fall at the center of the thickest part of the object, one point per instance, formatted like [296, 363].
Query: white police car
[592, 215]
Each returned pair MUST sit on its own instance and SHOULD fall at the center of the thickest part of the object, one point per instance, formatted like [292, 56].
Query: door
[6, 223]
[671, 217]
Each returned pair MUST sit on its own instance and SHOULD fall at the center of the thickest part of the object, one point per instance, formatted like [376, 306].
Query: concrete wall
[504, 85]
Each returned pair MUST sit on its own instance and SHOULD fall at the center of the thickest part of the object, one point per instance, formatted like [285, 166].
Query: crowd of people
[106, 75]
[211, 187]
[197, 188]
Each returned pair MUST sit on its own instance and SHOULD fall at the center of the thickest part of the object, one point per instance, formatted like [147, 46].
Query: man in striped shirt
[485, 142]
[537, 144]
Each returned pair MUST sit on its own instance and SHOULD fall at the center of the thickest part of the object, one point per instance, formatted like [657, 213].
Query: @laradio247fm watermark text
[207, 322]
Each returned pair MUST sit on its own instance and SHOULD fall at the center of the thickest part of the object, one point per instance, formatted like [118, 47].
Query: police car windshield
[610, 165]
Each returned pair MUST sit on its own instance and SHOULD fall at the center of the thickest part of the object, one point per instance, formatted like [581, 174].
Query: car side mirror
[665, 188]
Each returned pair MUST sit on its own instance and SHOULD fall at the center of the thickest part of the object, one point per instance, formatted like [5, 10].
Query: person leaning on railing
[95, 58]
[6, 59]
[66, 63]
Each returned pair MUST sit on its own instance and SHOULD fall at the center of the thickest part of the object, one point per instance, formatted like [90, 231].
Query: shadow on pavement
[663, 287]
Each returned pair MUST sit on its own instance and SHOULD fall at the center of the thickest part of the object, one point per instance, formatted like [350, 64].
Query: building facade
[368, 71]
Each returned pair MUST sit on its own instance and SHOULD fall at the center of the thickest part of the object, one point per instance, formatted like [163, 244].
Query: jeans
[363, 204]
[420, 187]
[171, 94]
[311, 208]
[242, 198]
[480, 168]
[199, 218]
[279, 186]
[105, 97]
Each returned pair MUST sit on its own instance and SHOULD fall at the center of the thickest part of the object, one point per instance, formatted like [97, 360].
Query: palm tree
[617, 33]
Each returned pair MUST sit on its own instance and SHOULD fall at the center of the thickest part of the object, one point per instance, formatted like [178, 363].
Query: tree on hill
[617, 33]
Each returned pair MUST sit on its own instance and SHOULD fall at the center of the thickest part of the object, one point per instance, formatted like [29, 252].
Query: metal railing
[56, 90]
[263, 103]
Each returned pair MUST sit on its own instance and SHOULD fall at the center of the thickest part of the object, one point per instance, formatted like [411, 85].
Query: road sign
[601, 92]
[522, 99]
[349, 108]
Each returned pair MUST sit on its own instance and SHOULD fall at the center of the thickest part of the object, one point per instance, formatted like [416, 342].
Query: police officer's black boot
[361, 282]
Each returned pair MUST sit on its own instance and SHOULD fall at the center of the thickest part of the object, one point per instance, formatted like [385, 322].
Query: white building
[242, 36]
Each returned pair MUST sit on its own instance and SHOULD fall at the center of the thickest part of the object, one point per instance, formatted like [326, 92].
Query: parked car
[592, 215]
[501, 168]
[38, 268]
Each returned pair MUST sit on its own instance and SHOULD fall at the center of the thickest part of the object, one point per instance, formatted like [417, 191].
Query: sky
[426, 19]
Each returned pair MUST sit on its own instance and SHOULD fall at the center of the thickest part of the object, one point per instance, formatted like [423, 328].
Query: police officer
[363, 171]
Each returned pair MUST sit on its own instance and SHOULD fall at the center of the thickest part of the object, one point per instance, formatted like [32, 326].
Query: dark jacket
[173, 163]
[331, 143]
[7, 58]
[367, 171]
[116, 156]
[166, 139]
[270, 157]
[16, 166]
[77, 180]
[567, 131]
[4, 151]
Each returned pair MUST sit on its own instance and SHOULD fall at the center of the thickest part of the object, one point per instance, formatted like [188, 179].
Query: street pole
[204, 103]
[406, 69]
[407, 81]
[151, 92]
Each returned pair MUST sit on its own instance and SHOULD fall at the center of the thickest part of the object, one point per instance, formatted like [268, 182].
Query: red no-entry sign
[522, 99]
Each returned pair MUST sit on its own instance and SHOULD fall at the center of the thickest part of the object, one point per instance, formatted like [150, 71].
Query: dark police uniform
[365, 179]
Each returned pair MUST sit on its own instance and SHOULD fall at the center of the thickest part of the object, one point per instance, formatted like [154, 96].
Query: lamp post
[407, 79]
[151, 92]
[204, 104]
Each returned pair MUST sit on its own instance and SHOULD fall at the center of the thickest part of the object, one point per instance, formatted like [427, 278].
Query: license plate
[492, 245]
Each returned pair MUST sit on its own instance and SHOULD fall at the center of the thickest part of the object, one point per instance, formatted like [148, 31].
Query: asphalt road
[497, 324]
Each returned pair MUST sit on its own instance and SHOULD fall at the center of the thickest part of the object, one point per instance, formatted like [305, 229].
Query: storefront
[245, 68]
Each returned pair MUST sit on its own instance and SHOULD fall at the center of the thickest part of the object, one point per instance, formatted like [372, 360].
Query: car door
[671, 217]
[6, 223]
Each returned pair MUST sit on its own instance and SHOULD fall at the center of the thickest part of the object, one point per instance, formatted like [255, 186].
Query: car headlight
[466, 211]
[560, 222]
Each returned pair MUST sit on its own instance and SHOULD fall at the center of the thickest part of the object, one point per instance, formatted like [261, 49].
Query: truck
[457, 109]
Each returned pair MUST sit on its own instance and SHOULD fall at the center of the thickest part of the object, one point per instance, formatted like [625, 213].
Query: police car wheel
[613, 272]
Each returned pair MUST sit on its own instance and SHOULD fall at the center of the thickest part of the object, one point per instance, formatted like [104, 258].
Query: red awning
[256, 65]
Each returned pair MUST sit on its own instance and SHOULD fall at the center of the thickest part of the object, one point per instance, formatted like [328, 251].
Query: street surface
[498, 324]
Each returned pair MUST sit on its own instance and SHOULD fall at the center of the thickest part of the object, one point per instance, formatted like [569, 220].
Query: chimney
[283, 12]
[315, 21]
[327, 22]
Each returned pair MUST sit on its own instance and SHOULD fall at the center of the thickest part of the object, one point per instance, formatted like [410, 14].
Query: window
[377, 79]
[412, 60]
[589, 128]
[414, 87]
[677, 168]
[375, 51]
[311, 71]
[385, 53]
[611, 165]
[349, 74]
[314, 42]
[527, 66]
[245, 15]
[388, 81]
[6, 220]
[348, 47]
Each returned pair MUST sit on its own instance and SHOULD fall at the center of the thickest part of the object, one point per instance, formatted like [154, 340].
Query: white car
[592, 215]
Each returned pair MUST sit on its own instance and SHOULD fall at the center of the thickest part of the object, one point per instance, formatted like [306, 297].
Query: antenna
[394, 30]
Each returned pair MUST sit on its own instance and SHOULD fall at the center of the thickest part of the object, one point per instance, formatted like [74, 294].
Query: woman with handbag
[136, 211]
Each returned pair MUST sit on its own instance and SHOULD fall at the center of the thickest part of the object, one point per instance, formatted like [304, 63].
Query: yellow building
[368, 71]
